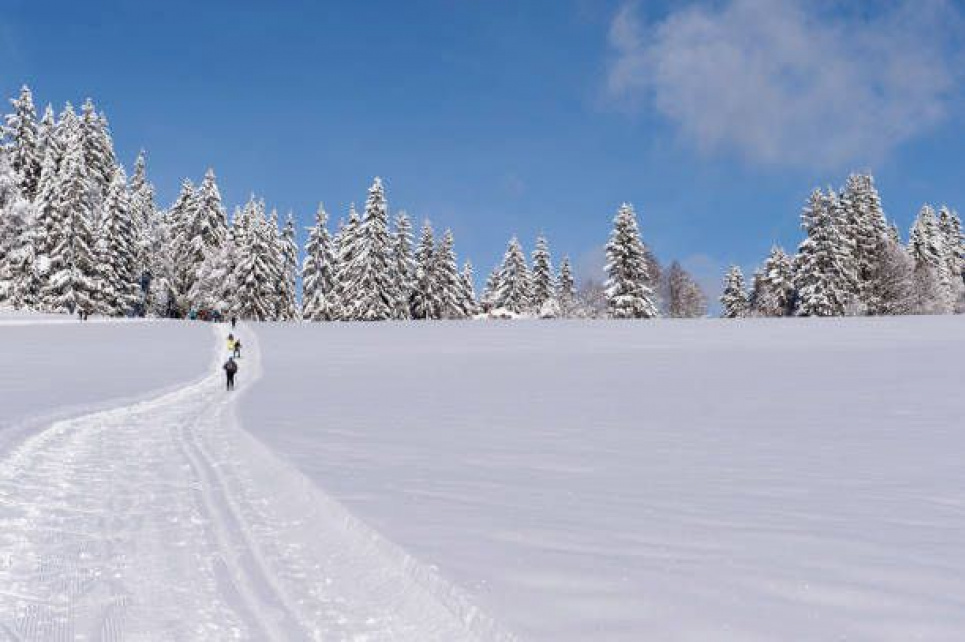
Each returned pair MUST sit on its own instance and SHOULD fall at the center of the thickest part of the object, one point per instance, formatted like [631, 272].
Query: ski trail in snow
[165, 520]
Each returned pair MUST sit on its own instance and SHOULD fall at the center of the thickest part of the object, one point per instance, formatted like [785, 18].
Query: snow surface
[699, 480]
[54, 365]
[162, 520]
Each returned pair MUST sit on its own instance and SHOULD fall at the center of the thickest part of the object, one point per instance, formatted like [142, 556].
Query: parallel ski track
[164, 520]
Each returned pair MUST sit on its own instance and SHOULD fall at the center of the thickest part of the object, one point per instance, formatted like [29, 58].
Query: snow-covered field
[709, 480]
[53, 365]
[703, 480]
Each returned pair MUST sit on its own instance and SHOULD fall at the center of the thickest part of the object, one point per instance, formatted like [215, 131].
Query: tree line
[852, 261]
[78, 233]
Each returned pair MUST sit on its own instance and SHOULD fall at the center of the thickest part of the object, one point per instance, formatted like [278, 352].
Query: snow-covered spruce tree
[447, 280]
[488, 298]
[98, 150]
[773, 292]
[543, 286]
[927, 249]
[201, 234]
[22, 143]
[734, 301]
[180, 221]
[47, 142]
[950, 226]
[468, 291]
[17, 225]
[288, 303]
[425, 303]
[318, 272]
[373, 276]
[117, 278]
[148, 234]
[629, 294]
[71, 283]
[685, 299]
[824, 277]
[865, 225]
[566, 290]
[514, 288]
[256, 273]
[404, 266]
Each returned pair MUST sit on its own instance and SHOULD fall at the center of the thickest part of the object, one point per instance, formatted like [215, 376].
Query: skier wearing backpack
[237, 348]
[230, 369]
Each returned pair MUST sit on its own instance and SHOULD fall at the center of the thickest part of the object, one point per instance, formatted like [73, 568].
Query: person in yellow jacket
[231, 343]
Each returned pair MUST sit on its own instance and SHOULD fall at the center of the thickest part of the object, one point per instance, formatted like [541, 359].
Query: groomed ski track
[164, 520]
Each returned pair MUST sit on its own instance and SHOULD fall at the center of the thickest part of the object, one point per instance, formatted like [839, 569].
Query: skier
[230, 368]
[234, 321]
[237, 348]
[231, 342]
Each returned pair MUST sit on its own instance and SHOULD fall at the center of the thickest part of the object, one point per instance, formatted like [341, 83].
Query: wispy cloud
[793, 82]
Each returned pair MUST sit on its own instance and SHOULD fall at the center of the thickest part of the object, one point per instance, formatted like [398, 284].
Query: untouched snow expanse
[51, 365]
[711, 480]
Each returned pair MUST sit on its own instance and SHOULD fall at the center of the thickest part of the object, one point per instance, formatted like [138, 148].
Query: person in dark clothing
[234, 322]
[230, 370]
[237, 348]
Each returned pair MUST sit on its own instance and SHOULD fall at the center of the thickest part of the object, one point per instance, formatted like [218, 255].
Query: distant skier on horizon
[230, 369]
[234, 321]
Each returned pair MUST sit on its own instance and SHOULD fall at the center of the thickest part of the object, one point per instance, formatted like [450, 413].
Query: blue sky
[715, 119]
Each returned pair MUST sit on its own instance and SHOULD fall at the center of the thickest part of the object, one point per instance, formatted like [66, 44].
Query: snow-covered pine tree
[22, 143]
[98, 150]
[628, 294]
[117, 278]
[318, 272]
[447, 280]
[685, 299]
[566, 290]
[17, 286]
[468, 290]
[425, 303]
[734, 301]
[950, 226]
[824, 277]
[773, 291]
[147, 234]
[71, 281]
[288, 307]
[543, 286]
[257, 266]
[927, 249]
[374, 276]
[347, 280]
[187, 255]
[404, 270]
[514, 287]
[488, 298]
[47, 137]
[865, 225]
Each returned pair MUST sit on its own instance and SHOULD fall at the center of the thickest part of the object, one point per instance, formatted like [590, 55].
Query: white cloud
[793, 82]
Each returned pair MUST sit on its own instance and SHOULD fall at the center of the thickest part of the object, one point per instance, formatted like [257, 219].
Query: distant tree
[566, 290]
[685, 299]
[318, 272]
[22, 145]
[404, 267]
[628, 294]
[448, 282]
[513, 284]
[543, 286]
[825, 277]
[773, 292]
[734, 300]
[425, 302]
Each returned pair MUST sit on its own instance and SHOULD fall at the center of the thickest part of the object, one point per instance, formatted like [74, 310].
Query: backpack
[231, 367]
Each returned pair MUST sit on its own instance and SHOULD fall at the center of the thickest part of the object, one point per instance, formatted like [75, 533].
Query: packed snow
[692, 480]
